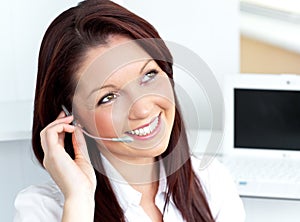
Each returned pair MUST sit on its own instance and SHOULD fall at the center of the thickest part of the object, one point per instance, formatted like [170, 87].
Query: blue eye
[107, 98]
[149, 76]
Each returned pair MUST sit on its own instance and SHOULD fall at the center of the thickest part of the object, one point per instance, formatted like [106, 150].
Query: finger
[80, 147]
[50, 136]
[59, 128]
[61, 114]
[66, 119]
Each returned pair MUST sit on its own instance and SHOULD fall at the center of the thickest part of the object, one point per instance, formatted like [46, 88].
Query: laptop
[261, 146]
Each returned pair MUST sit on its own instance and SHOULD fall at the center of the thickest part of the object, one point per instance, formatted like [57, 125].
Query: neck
[139, 172]
[148, 190]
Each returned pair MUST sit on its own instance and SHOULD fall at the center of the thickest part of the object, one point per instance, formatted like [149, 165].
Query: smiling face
[122, 91]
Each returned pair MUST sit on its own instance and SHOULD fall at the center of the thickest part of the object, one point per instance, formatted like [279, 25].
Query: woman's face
[123, 92]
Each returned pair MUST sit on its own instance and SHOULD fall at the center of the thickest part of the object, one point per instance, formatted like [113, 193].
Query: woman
[79, 68]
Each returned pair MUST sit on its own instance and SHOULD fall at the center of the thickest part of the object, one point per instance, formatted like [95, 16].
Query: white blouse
[45, 202]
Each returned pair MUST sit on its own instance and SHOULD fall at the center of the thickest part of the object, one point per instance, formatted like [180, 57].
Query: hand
[76, 178]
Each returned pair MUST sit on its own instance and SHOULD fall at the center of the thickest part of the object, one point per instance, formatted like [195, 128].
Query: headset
[124, 139]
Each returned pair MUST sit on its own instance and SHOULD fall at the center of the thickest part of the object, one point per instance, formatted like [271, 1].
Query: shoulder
[220, 190]
[39, 203]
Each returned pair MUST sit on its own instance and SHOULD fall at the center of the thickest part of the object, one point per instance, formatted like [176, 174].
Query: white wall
[210, 28]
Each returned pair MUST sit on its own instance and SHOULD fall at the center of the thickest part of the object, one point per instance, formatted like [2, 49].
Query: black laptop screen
[267, 119]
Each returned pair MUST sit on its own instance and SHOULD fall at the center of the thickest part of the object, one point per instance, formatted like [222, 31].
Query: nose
[141, 108]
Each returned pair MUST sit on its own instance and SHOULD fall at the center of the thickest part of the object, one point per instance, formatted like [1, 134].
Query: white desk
[275, 210]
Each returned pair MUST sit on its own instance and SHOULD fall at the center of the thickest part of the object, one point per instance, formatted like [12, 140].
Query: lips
[146, 129]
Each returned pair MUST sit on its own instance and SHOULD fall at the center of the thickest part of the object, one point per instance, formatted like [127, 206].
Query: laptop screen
[267, 119]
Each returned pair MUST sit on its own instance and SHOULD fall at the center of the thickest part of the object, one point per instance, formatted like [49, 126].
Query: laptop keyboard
[272, 178]
[264, 170]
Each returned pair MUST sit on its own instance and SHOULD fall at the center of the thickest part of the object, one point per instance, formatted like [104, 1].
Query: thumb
[79, 144]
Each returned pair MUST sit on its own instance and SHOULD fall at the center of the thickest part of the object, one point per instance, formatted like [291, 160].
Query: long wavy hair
[63, 48]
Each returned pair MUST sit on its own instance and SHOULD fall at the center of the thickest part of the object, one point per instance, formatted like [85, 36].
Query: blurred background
[231, 36]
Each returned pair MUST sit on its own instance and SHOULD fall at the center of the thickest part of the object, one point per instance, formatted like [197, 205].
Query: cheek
[104, 123]
[167, 100]
[168, 106]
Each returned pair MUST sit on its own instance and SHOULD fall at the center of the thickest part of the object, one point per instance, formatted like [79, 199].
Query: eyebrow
[113, 86]
[146, 63]
[102, 87]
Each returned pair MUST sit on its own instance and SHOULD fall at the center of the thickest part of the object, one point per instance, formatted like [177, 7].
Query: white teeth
[142, 131]
[146, 130]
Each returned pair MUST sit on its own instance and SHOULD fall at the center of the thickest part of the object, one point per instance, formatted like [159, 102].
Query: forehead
[118, 52]
[100, 63]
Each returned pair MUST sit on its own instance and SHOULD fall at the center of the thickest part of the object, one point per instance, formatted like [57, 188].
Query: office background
[209, 28]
